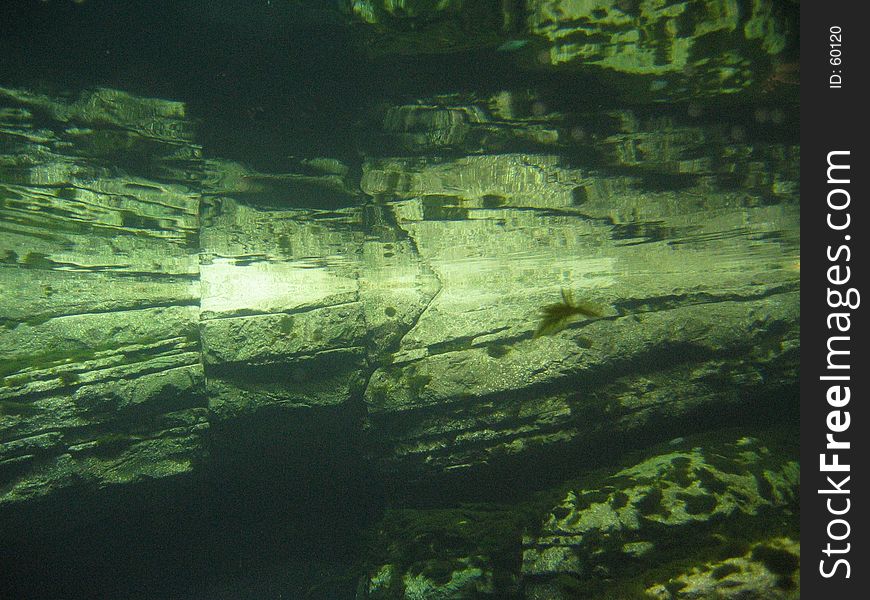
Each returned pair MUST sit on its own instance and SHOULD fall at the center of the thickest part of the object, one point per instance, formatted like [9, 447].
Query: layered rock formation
[164, 316]
[102, 375]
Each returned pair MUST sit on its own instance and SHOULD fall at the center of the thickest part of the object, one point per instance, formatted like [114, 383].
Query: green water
[379, 300]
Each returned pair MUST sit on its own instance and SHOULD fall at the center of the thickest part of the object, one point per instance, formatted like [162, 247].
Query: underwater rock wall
[683, 231]
[709, 516]
[697, 285]
[163, 314]
[99, 311]
[644, 51]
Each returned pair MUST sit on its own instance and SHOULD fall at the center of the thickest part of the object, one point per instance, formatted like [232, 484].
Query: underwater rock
[316, 183]
[424, 27]
[663, 50]
[462, 122]
[493, 181]
[769, 570]
[679, 506]
[464, 410]
[102, 382]
[638, 51]
[713, 515]
[104, 434]
[423, 301]
[678, 274]
[452, 581]
[309, 299]
[456, 552]
[147, 137]
[359, 339]
[635, 146]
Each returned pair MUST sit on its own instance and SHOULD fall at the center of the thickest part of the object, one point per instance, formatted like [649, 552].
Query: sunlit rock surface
[643, 510]
[644, 49]
[768, 570]
[692, 308]
[669, 42]
[280, 299]
[99, 310]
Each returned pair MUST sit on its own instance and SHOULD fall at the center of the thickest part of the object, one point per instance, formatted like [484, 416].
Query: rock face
[724, 503]
[600, 531]
[166, 317]
[644, 50]
[683, 49]
[768, 570]
[469, 383]
[102, 379]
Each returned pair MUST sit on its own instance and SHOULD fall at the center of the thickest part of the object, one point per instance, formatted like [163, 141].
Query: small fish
[555, 317]
[512, 45]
